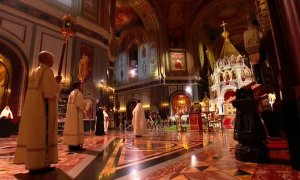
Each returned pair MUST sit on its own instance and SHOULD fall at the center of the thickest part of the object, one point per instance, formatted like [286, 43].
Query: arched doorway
[130, 106]
[181, 104]
[17, 70]
[5, 81]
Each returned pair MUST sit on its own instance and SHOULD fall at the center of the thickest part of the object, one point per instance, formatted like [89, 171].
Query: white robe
[37, 146]
[6, 113]
[106, 121]
[138, 120]
[73, 128]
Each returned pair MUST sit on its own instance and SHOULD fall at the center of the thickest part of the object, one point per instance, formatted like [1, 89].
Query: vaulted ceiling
[125, 17]
[200, 19]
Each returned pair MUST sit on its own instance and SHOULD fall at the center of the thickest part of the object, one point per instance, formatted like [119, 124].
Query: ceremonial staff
[67, 30]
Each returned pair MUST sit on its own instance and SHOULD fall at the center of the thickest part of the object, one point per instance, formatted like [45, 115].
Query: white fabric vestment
[106, 121]
[73, 128]
[6, 113]
[138, 120]
[37, 140]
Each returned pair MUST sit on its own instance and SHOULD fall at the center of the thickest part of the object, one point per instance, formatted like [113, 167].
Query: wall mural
[153, 60]
[121, 67]
[3, 84]
[125, 16]
[146, 57]
[144, 63]
[147, 63]
[181, 104]
[178, 61]
[89, 9]
[87, 50]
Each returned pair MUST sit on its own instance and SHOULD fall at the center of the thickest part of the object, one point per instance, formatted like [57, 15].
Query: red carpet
[278, 150]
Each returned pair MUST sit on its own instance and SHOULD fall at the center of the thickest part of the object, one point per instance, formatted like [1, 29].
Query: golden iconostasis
[5, 84]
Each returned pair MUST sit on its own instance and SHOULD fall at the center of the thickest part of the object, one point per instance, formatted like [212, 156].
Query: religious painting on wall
[3, 83]
[89, 9]
[181, 104]
[87, 50]
[121, 67]
[153, 60]
[105, 14]
[178, 61]
[143, 58]
[87, 53]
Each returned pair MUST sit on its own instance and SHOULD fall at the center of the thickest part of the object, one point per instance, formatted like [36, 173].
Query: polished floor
[157, 155]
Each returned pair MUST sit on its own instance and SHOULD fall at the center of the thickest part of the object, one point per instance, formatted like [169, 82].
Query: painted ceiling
[125, 17]
[205, 16]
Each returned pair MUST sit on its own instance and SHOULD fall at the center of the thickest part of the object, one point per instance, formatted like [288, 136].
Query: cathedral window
[133, 62]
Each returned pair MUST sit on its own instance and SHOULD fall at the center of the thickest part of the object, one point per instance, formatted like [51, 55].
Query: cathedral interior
[219, 81]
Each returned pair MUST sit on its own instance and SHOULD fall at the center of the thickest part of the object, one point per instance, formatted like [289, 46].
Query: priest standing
[37, 141]
[73, 129]
[138, 120]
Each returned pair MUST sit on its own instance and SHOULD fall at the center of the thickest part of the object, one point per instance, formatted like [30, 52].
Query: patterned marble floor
[157, 155]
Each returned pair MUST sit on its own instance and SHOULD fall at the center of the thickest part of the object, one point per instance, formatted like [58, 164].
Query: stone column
[285, 24]
[252, 44]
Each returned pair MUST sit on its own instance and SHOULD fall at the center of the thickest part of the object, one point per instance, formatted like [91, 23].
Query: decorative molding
[90, 10]
[172, 89]
[152, 83]
[92, 34]
[45, 17]
[5, 25]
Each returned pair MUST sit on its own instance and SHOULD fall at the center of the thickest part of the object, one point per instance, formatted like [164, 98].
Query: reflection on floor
[158, 155]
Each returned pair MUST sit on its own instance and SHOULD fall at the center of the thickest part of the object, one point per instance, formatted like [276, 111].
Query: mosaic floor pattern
[157, 155]
[66, 162]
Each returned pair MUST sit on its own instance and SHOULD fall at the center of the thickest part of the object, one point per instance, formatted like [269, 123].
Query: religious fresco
[141, 54]
[87, 50]
[176, 26]
[146, 63]
[89, 9]
[143, 62]
[181, 104]
[3, 82]
[153, 60]
[122, 68]
[178, 61]
[125, 15]
[105, 14]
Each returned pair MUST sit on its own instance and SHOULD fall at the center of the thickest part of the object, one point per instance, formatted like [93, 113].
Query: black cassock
[100, 122]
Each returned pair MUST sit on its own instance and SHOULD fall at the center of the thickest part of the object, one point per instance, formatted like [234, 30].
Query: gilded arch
[20, 74]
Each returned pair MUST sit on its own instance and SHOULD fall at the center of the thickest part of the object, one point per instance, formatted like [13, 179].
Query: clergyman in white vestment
[106, 120]
[37, 140]
[6, 113]
[73, 128]
[139, 122]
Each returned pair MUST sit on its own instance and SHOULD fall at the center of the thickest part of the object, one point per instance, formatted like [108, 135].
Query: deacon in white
[73, 129]
[6, 113]
[106, 120]
[37, 140]
[138, 120]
